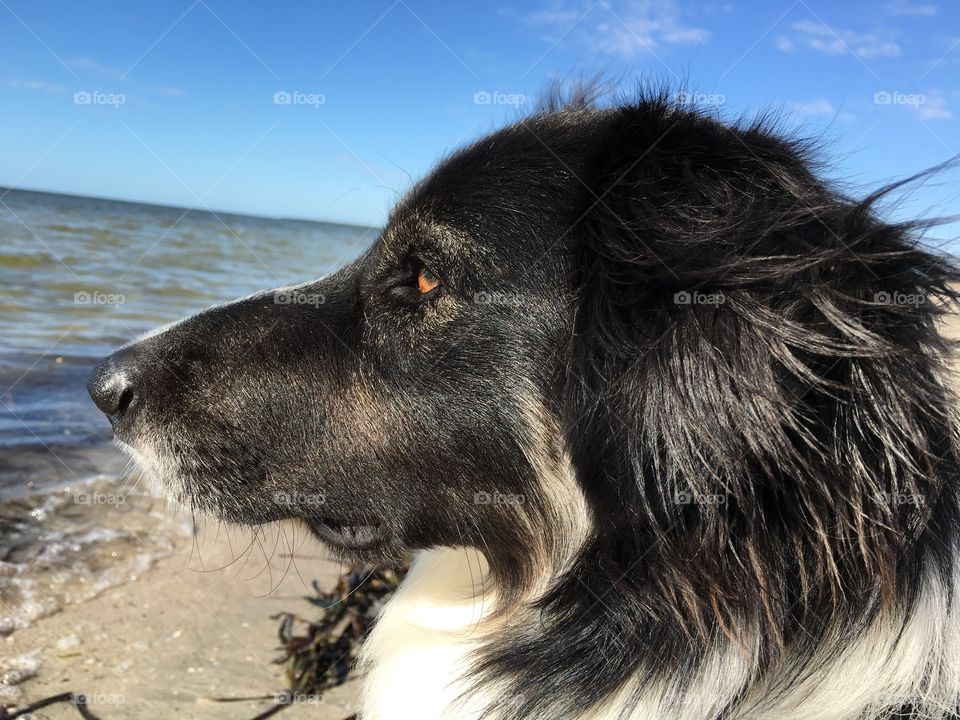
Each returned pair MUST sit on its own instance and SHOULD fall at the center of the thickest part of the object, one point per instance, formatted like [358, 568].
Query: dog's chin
[347, 535]
[360, 543]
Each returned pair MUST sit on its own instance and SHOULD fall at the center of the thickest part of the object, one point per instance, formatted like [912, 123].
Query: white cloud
[89, 65]
[901, 8]
[812, 108]
[834, 41]
[37, 86]
[169, 90]
[556, 17]
[622, 27]
[784, 43]
[934, 107]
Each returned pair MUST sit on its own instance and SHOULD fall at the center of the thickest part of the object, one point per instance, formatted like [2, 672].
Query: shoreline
[193, 627]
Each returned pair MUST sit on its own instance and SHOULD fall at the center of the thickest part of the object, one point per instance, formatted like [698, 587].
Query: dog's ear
[756, 388]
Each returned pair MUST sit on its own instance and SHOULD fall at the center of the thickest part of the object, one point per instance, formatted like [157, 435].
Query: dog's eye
[427, 281]
[415, 281]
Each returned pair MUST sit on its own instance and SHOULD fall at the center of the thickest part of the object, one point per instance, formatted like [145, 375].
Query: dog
[664, 418]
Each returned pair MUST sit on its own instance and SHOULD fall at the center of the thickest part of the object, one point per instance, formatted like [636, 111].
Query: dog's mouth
[351, 536]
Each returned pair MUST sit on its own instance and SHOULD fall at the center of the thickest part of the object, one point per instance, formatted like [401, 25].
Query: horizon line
[4, 189]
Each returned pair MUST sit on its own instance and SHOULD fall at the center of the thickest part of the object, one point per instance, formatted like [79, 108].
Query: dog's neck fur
[416, 659]
[417, 662]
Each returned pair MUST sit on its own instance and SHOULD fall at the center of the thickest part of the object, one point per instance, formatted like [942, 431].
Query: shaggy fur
[674, 435]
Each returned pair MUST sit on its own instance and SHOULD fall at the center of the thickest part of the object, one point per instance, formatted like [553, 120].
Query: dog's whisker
[266, 564]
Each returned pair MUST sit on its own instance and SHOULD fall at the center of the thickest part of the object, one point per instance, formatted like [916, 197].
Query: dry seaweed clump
[320, 654]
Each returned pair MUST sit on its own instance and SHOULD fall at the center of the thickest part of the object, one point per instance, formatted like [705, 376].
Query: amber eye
[426, 280]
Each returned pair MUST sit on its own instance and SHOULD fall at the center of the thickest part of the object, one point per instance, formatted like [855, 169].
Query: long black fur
[812, 409]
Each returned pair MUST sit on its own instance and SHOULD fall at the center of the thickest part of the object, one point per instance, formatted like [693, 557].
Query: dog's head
[411, 399]
[634, 332]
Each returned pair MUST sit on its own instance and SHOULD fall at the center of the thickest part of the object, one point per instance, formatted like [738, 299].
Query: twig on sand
[79, 701]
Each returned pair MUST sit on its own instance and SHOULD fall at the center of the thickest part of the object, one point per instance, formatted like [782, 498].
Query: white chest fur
[416, 655]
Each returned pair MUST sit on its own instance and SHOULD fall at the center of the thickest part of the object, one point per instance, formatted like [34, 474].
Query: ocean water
[78, 277]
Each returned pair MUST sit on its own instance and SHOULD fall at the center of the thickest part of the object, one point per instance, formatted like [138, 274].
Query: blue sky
[323, 110]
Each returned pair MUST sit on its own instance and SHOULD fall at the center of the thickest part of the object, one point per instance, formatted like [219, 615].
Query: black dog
[666, 415]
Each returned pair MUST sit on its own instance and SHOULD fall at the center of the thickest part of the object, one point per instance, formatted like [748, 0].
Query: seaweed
[323, 653]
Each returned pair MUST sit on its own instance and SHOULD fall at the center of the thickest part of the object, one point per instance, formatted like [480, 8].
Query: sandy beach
[194, 627]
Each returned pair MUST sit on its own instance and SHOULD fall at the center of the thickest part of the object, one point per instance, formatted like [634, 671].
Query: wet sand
[188, 630]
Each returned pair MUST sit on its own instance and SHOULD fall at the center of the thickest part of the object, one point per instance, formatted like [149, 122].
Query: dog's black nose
[112, 385]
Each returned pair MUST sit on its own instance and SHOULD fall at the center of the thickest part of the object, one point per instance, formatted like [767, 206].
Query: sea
[80, 276]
